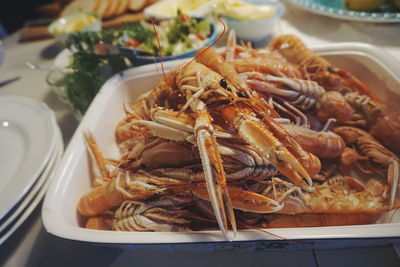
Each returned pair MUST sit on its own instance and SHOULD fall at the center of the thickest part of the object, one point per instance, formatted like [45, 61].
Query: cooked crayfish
[376, 156]
[317, 68]
[301, 94]
[204, 85]
[246, 59]
[374, 116]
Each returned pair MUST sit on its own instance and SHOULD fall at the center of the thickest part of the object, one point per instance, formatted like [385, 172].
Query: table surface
[31, 245]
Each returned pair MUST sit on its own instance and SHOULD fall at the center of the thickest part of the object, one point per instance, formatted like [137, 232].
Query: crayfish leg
[393, 178]
[246, 200]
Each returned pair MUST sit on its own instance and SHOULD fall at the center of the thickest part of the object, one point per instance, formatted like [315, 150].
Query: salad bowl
[140, 57]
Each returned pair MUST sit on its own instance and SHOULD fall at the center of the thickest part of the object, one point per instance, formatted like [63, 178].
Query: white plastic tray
[72, 179]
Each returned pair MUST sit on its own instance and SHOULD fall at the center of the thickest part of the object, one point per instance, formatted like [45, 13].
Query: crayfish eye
[223, 83]
[242, 94]
[331, 70]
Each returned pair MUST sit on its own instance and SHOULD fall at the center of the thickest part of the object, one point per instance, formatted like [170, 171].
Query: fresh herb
[89, 70]
[137, 31]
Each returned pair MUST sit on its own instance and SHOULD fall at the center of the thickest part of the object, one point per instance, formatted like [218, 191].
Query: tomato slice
[183, 17]
[132, 43]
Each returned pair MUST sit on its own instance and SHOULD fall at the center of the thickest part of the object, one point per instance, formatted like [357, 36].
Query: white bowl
[167, 9]
[73, 177]
[63, 35]
[256, 29]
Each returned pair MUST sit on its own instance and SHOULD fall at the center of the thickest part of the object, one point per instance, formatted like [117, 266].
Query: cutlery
[35, 66]
[5, 82]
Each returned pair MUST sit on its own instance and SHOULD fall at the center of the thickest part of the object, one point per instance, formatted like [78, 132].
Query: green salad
[176, 36]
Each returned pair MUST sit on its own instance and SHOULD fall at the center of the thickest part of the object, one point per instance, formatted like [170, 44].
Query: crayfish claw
[262, 140]
[214, 172]
[292, 161]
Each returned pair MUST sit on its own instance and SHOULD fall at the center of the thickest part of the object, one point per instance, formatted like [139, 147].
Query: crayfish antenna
[393, 177]
[230, 46]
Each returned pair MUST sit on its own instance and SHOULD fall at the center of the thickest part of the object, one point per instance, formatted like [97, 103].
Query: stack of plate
[30, 149]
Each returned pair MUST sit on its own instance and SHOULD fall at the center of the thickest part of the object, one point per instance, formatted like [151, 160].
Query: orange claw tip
[314, 166]
[253, 202]
[393, 177]
[246, 200]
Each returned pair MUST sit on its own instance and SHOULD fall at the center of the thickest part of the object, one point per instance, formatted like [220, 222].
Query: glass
[56, 79]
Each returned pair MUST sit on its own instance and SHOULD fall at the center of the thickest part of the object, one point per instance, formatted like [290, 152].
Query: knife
[5, 82]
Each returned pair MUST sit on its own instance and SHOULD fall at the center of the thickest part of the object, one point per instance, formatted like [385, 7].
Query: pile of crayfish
[248, 138]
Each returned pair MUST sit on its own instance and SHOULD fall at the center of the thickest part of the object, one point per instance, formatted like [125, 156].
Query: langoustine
[369, 111]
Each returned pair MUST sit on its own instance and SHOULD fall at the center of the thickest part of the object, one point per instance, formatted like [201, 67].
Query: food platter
[335, 9]
[72, 177]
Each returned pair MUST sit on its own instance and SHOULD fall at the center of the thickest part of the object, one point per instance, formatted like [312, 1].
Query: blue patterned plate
[337, 9]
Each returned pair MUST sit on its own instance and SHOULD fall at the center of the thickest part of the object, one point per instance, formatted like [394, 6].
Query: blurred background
[14, 15]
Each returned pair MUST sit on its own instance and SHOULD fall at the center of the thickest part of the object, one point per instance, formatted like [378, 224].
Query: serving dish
[256, 29]
[335, 9]
[138, 58]
[76, 22]
[72, 179]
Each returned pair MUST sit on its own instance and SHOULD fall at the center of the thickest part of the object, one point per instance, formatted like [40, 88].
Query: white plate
[72, 180]
[27, 139]
[335, 9]
[30, 202]
[26, 200]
